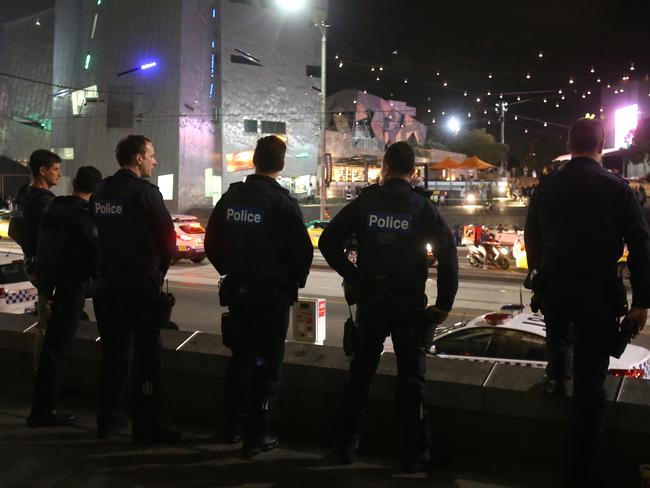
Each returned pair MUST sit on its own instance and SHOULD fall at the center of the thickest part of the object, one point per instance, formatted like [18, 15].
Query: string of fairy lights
[489, 104]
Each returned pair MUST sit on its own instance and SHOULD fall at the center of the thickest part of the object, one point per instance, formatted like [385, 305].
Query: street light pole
[322, 26]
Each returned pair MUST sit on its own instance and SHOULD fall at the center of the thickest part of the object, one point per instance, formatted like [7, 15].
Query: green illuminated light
[87, 61]
[99, 2]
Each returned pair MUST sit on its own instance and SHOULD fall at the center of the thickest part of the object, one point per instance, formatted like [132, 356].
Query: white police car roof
[180, 217]
[528, 321]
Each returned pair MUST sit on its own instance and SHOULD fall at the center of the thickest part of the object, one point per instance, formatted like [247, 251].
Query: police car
[17, 294]
[515, 335]
[190, 235]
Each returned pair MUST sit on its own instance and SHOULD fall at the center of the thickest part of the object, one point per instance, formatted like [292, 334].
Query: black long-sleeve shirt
[578, 222]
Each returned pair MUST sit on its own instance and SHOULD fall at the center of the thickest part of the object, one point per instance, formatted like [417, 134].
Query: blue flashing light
[212, 62]
[153, 64]
[211, 89]
[213, 44]
[214, 13]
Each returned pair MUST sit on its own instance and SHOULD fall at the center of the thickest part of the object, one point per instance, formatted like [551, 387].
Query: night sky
[468, 41]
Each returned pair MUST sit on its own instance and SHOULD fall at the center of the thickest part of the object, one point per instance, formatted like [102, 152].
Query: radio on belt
[309, 320]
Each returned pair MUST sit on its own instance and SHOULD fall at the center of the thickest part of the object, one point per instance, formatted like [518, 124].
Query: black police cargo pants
[579, 341]
[253, 372]
[130, 341]
[67, 306]
[376, 322]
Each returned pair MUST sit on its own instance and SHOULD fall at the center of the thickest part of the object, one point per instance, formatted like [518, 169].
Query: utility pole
[322, 26]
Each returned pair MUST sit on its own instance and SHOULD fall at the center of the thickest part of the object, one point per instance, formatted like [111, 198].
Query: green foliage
[474, 142]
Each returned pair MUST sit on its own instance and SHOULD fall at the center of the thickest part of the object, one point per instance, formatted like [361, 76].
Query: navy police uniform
[138, 242]
[29, 205]
[68, 257]
[392, 224]
[257, 239]
[578, 221]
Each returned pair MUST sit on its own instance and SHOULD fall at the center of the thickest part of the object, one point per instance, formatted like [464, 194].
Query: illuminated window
[66, 153]
[166, 186]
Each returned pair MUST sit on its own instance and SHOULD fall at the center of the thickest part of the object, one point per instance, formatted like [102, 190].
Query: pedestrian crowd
[75, 248]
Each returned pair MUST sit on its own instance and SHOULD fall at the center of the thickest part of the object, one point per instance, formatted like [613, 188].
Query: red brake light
[496, 318]
[628, 373]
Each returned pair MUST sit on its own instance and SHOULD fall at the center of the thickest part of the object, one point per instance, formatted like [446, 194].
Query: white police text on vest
[240, 215]
[388, 222]
[109, 208]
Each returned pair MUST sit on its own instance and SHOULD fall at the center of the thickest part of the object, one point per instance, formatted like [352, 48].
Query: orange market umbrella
[475, 163]
[446, 163]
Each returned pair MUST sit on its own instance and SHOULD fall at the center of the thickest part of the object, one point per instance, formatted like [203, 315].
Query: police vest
[253, 231]
[391, 240]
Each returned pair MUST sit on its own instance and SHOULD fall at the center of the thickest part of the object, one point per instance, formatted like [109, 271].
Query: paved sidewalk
[73, 457]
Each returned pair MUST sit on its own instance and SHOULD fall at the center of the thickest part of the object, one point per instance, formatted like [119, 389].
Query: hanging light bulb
[571, 81]
[381, 68]
[500, 95]
[588, 92]
[478, 100]
[336, 56]
[563, 97]
[545, 100]
[464, 94]
[557, 105]
[621, 90]
[484, 112]
[518, 98]
[489, 122]
[528, 76]
[608, 85]
[560, 91]
[592, 70]
[597, 80]
[433, 121]
[38, 22]
[444, 83]
[631, 66]
[341, 64]
[443, 112]
[429, 110]
[545, 124]
[437, 73]
[516, 117]
[540, 55]
[406, 80]
[584, 96]
[372, 69]
[526, 131]
[490, 75]
[469, 115]
[377, 78]
[489, 93]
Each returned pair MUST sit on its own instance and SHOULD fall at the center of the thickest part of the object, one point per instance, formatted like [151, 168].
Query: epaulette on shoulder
[372, 187]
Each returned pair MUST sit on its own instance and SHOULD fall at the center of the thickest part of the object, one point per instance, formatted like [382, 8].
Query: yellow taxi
[5, 215]
[315, 228]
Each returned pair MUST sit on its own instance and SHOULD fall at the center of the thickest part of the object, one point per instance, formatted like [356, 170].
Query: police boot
[257, 438]
[417, 456]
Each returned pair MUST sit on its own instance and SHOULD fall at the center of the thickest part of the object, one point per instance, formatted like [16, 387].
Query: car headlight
[504, 251]
[429, 248]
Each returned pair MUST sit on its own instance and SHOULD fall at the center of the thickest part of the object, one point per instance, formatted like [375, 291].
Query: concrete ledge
[466, 400]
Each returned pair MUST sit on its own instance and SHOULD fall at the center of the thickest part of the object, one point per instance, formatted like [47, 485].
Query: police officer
[29, 204]
[256, 237]
[137, 241]
[578, 220]
[68, 257]
[392, 223]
